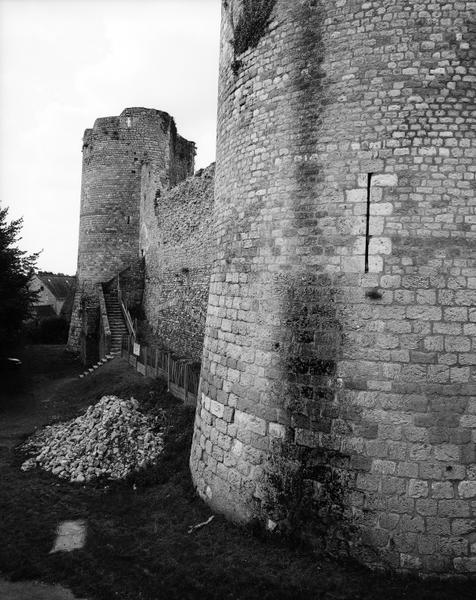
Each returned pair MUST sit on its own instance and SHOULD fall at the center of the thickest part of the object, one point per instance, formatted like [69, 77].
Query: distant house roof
[60, 286]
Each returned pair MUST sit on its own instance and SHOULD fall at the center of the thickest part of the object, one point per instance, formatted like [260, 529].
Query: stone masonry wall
[115, 153]
[341, 328]
[178, 246]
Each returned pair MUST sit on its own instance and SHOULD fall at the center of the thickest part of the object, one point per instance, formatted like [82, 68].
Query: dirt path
[25, 396]
[28, 411]
[33, 590]
[24, 407]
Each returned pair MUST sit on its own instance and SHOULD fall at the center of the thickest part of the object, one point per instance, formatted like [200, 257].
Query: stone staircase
[116, 321]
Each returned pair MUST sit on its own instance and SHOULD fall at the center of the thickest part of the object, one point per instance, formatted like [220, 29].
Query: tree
[16, 270]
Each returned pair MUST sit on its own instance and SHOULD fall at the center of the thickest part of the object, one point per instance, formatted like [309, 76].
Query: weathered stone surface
[363, 345]
[70, 535]
[124, 158]
[176, 236]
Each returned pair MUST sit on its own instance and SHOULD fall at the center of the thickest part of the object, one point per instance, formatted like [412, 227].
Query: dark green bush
[53, 330]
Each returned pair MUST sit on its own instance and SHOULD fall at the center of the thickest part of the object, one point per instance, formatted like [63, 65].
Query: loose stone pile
[111, 439]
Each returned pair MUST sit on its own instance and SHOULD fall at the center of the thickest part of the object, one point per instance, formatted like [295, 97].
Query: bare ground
[138, 545]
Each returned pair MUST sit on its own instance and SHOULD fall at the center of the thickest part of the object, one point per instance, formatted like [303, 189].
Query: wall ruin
[178, 246]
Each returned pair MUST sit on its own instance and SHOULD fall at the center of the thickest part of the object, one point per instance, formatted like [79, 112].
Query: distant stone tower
[123, 158]
[340, 345]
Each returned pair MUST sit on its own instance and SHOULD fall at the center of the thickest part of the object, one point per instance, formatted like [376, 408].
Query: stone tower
[340, 345]
[123, 158]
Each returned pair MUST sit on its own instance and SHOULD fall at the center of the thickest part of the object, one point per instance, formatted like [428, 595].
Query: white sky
[63, 63]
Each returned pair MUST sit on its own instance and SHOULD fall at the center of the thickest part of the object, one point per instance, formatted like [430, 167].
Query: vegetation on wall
[305, 496]
[251, 26]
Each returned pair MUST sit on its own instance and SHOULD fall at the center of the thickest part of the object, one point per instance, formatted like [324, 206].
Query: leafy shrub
[53, 330]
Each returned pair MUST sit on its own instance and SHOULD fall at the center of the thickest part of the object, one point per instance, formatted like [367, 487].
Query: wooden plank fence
[182, 381]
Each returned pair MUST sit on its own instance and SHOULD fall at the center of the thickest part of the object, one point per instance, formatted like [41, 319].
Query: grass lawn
[138, 545]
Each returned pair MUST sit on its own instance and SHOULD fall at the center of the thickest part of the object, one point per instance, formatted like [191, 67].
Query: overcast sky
[63, 63]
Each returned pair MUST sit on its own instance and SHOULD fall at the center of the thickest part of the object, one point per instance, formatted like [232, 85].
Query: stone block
[380, 245]
[216, 408]
[467, 489]
[453, 508]
[438, 526]
[426, 507]
[442, 489]
[410, 561]
[277, 430]
[418, 488]
[381, 209]
[356, 195]
[305, 437]
[249, 422]
[414, 524]
[447, 452]
[384, 180]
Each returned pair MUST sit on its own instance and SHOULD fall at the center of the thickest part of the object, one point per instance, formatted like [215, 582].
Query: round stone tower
[123, 159]
[114, 153]
[338, 380]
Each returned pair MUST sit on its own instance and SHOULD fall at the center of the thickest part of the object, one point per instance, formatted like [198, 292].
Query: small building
[54, 291]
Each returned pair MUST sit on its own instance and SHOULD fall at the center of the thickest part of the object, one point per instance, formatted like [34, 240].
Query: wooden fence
[182, 380]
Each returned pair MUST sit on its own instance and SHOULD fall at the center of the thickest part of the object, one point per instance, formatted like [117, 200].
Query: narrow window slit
[367, 224]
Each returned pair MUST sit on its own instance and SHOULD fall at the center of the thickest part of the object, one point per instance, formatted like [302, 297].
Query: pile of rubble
[111, 439]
